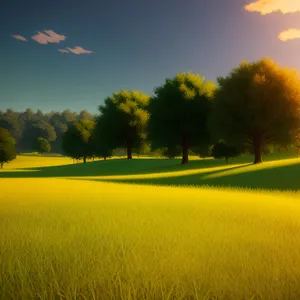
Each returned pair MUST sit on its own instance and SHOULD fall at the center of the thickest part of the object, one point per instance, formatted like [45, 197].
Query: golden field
[80, 237]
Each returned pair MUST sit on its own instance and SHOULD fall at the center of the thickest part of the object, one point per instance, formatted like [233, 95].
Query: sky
[57, 55]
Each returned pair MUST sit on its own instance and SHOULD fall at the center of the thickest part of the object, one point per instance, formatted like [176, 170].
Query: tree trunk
[257, 145]
[226, 160]
[104, 157]
[129, 151]
[185, 151]
[1, 165]
[84, 159]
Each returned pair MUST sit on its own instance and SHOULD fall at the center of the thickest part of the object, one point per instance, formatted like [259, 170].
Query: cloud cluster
[265, 7]
[48, 37]
[290, 34]
[76, 50]
[19, 37]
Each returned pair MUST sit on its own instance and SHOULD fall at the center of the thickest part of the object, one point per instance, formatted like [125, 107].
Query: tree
[86, 115]
[221, 150]
[76, 141]
[69, 117]
[172, 151]
[43, 146]
[7, 147]
[99, 147]
[179, 112]
[35, 129]
[257, 104]
[123, 120]
[10, 121]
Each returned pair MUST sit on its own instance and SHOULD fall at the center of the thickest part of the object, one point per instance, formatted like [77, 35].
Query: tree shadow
[112, 167]
[282, 178]
[278, 177]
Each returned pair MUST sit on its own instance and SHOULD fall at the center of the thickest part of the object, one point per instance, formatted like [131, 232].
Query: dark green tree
[98, 145]
[179, 111]
[123, 120]
[35, 129]
[10, 121]
[43, 146]
[172, 151]
[222, 150]
[257, 104]
[76, 140]
[7, 147]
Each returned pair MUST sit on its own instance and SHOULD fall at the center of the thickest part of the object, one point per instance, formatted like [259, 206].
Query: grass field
[116, 229]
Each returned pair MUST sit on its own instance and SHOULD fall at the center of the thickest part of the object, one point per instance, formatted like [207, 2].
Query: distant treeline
[255, 107]
[26, 127]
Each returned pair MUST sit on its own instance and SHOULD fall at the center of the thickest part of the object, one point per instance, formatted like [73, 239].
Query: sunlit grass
[254, 168]
[24, 162]
[64, 238]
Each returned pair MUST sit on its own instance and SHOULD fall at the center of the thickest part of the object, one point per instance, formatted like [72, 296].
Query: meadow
[150, 229]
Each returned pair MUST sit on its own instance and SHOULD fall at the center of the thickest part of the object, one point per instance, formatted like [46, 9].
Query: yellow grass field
[68, 238]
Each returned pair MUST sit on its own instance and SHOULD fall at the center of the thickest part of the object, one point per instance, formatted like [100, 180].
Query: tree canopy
[7, 147]
[257, 104]
[76, 140]
[43, 146]
[123, 120]
[179, 112]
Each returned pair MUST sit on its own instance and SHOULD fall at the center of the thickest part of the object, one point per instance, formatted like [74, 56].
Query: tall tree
[7, 147]
[123, 119]
[179, 111]
[76, 141]
[257, 104]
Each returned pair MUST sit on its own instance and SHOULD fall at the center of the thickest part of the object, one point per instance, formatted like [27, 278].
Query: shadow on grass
[110, 168]
[282, 178]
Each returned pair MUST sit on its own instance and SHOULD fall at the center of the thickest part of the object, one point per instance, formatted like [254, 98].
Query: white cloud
[79, 50]
[63, 51]
[265, 7]
[290, 34]
[48, 37]
[19, 37]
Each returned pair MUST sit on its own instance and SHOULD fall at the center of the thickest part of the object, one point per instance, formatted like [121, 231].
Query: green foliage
[203, 151]
[123, 120]
[86, 115]
[179, 112]
[43, 146]
[172, 151]
[76, 141]
[98, 146]
[257, 104]
[222, 150]
[7, 147]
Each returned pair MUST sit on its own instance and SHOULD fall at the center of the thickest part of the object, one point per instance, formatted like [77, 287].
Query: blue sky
[135, 45]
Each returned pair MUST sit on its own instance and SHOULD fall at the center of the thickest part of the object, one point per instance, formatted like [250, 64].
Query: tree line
[256, 105]
[38, 131]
